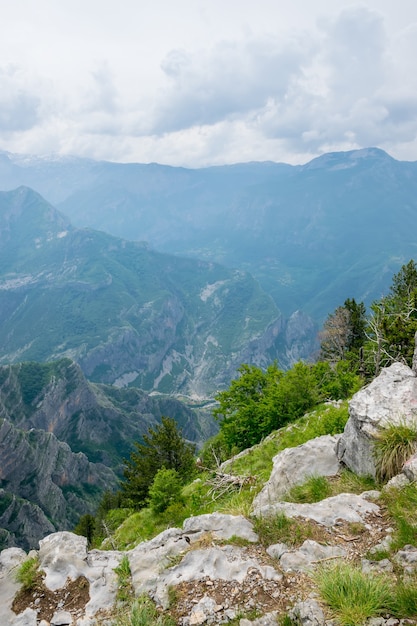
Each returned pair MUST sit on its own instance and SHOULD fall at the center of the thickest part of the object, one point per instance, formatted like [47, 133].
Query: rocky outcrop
[293, 466]
[391, 398]
[216, 578]
[346, 506]
[100, 420]
[64, 557]
[63, 440]
[44, 480]
[216, 561]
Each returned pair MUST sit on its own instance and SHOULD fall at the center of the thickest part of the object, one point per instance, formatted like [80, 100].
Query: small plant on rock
[124, 580]
[28, 573]
[393, 446]
[143, 613]
[314, 489]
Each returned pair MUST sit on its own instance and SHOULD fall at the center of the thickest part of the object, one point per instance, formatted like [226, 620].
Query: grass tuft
[352, 595]
[28, 573]
[124, 580]
[393, 446]
[402, 508]
[143, 613]
[314, 489]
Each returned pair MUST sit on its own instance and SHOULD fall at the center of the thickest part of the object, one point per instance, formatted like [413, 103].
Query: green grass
[142, 612]
[279, 528]
[324, 420]
[124, 580]
[402, 508]
[28, 573]
[197, 497]
[404, 602]
[315, 488]
[393, 446]
[352, 595]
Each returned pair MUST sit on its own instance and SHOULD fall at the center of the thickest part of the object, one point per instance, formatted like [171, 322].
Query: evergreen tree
[163, 447]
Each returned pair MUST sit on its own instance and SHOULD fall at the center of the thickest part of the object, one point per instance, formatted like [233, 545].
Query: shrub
[165, 490]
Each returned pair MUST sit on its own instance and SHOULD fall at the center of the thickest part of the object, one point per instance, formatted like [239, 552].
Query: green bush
[165, 490]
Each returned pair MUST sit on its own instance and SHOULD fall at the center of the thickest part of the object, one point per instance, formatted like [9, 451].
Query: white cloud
[219, 82]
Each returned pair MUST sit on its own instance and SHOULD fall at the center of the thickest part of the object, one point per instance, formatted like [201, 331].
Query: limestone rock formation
[293, 466]
[52, 483]
[346, 506]
[391, 398]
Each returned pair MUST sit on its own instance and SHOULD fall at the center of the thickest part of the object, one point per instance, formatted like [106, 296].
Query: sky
[208, 82]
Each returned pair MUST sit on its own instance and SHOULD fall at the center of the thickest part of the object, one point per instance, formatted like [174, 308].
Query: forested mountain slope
[123, 312]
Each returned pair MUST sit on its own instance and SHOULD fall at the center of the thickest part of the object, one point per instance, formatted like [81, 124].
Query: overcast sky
[201, 82]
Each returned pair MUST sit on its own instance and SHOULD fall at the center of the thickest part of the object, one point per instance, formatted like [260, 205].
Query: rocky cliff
[63, 440]
[216, 568]
[45, 486]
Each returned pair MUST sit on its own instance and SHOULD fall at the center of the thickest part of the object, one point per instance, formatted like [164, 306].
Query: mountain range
[125, 313]
[313, 235]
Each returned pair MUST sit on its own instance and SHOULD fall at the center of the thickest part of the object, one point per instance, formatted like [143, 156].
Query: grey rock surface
[391, 398]
[221, 526]
[277, 550]
[10, 560]
[410, 468]
[27, 618]
[308, 613]
[269, 619]
[407, 558]
[227, 563]
[384, 565]
[308, 556]
[64, 556]
[293, 466]
[345, 506]
[150, 557]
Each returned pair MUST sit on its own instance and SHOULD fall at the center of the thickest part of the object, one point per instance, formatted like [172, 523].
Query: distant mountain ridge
[125, 313]
[339, 226]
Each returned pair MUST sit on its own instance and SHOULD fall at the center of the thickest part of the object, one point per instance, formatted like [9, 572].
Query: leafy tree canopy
[258, 402]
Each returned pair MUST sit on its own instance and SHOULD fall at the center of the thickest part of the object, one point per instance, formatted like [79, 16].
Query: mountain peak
[345, 160]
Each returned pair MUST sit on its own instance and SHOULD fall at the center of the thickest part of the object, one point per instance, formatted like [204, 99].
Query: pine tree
[163, 447]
